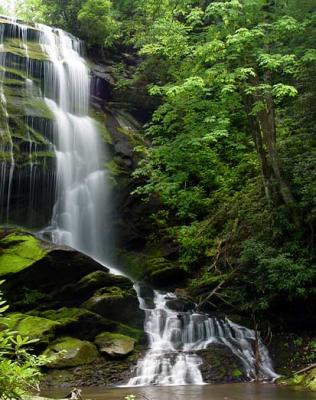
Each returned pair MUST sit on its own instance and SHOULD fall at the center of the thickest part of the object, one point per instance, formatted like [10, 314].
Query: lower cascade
[175, 338]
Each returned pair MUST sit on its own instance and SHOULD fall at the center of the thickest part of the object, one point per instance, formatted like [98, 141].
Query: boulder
[115, 345]
[70, 352]
[220, 365]
[18, 252]
[78, 322]
[116, 304]
[180, 305]
[77, 292]
[33, 327]
[39, 274]
[167, 276]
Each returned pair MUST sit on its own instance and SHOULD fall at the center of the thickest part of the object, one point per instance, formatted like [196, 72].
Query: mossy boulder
[220, 365]
[18, 251]
[70, 352]
[34, 327]
[115, 345]
[305, 380]
[83, 289]
[36, 271]
[110, 301]
[79, 322]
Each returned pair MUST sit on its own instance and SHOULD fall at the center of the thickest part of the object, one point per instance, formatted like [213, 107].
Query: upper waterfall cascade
[46, 66]
[81, 188]
[78, 183]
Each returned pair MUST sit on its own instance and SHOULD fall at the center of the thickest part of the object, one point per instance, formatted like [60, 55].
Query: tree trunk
[268, 129]
[266, 173]
[263, 131]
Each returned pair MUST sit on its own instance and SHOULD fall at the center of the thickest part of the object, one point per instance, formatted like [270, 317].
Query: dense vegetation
[232, 155]
[229, 151]
[19, 370]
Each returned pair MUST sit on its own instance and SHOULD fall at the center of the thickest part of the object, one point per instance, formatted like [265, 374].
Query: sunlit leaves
[166, 38]
[274, 62]
[280, 91]
[99, 15]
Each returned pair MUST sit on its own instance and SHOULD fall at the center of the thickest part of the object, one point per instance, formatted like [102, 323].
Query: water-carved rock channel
[56, 165]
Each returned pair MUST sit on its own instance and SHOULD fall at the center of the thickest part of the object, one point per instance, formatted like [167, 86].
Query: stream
[246, 391]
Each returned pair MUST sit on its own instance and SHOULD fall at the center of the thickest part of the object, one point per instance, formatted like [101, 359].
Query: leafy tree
[235, 75]
[98, 14]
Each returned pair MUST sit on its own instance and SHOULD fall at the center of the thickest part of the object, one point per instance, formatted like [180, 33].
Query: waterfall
[7, 166]
[175, 338]
[77, 183]
[81, 198]
[76, 186]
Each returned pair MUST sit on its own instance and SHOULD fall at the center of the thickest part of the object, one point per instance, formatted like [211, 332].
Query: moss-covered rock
[114, 344]
[102, 372]
[70, 352]
[37, 271]
[138, 334]
[109, 302]
[220, 365]
[85, 287]
[19, 251]
[34, 327]
[78, 322]
[305, 380]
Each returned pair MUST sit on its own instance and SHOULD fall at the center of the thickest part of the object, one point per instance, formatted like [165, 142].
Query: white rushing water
[7, 166]
[175, 337]
[78, 216]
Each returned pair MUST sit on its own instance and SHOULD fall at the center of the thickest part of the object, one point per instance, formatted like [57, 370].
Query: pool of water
[205, 392]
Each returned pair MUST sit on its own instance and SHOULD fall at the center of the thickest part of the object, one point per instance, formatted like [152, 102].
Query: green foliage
[19, 371]
[229, 159]
[99, 15]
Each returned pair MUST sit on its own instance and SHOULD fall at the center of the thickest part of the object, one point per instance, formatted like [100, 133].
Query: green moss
[310, 380]
[13, 82]
[134, 138]
[306, 381]
[142, 264]
[20, 75]
[100, 119]
[65, 315]
[134, 333]
[70, 352]
[237, 373]
[32, 326]
[33, 51]
[114, 169]
[110, 336]
[19, 251]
